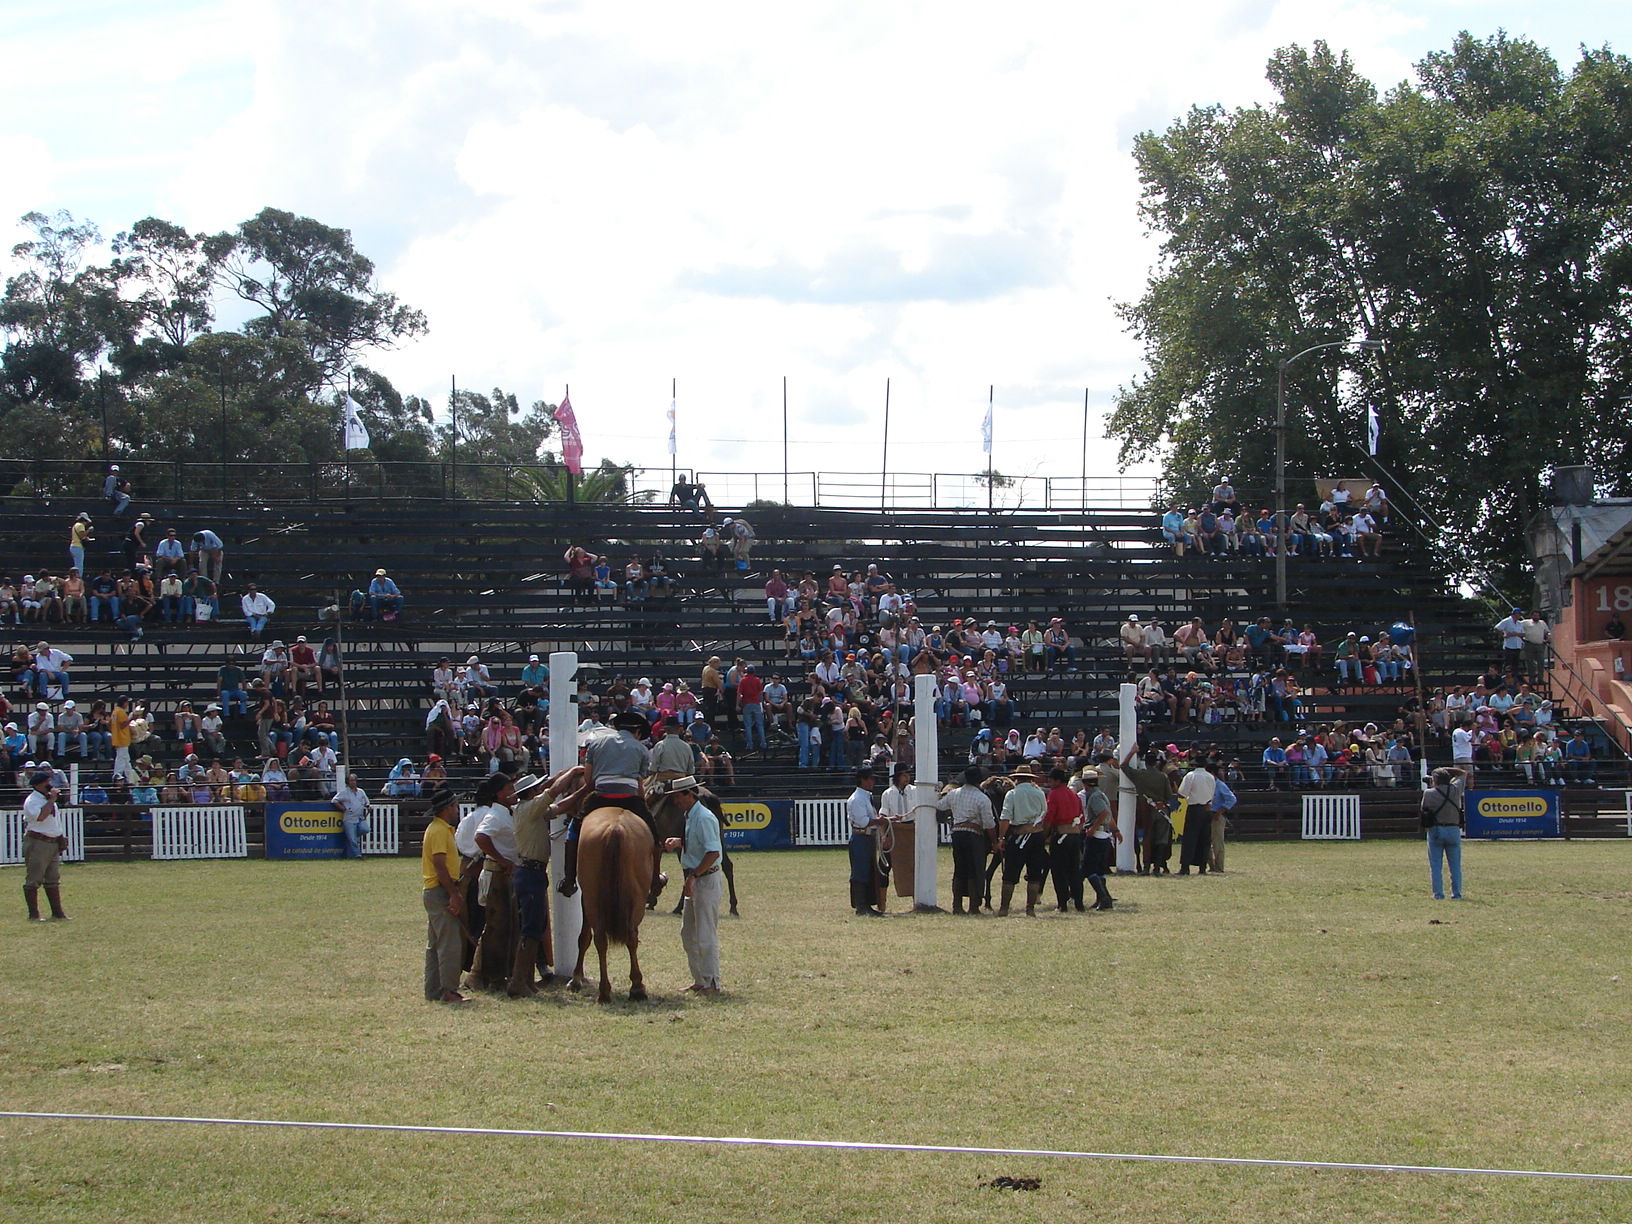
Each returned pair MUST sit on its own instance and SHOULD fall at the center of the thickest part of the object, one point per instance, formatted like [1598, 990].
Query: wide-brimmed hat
[628, 720]
[673, 786]
[1023, 774]
[528, 783]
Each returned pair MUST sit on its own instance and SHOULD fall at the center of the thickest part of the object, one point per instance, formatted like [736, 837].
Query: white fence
[824, 822]
[384, 834]
[1331, 818]
[201, 831]
[11, 835]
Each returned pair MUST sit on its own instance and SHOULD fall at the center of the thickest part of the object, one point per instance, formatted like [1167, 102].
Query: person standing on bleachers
[209, 554]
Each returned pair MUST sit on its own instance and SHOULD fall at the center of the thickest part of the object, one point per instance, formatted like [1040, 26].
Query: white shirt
[258, 604]
[352, 802]
[464, 833]
[53, 659]
[859, 808]
[500, 826]
[33, 807]
[1462, 744]
[324, 758]
[894, 802]
[1198, 787]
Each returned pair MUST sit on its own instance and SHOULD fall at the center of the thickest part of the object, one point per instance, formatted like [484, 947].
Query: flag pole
[784, 439]
[572, 481]
[674, 470]
[990, 390]
[453, 436]
[884, 469]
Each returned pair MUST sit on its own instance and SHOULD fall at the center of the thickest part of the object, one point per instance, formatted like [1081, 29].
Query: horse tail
[613, 917]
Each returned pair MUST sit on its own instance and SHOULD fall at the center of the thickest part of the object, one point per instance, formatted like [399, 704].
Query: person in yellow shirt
[444, 901]
[119, 736]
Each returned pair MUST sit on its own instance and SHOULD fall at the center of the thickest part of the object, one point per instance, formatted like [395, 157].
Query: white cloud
[618, 195]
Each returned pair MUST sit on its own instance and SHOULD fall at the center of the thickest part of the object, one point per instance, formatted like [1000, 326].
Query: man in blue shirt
[1275, 764]
[700, 849]
[209, 553]
[535, 674]
[384, 600]
[1173, 529]
[1578, 759]
[171, 557]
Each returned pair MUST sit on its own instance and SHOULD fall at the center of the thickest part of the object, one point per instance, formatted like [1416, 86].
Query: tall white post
[566, 913]
[1127, 805]
[927, 741]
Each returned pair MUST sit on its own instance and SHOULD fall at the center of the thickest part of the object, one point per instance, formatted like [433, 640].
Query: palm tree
[608, 483]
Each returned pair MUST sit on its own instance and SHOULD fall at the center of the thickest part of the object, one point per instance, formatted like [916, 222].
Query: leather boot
[1106, 901]
[32, 896]
[53, 894]
[858, 898]
[1033, 892]
[1003, 908]
[521, 976]
[957, 902]
[569, 872]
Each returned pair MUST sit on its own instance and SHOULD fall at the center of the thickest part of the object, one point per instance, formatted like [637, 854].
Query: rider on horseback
[617, 761]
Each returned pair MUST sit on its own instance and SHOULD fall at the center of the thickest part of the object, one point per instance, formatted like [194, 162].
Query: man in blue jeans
[353, 805]
[1444, 819]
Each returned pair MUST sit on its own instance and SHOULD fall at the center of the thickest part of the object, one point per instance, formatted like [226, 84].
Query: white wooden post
[566, 913]
[927, 741]
[1127, 811]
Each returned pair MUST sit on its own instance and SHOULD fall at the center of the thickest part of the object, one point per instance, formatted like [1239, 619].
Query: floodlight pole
[1281, 516]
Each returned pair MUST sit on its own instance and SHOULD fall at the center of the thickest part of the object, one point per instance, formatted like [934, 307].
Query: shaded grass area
[1312, 1003]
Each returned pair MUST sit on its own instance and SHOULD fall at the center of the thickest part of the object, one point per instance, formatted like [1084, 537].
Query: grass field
[1312, 1003]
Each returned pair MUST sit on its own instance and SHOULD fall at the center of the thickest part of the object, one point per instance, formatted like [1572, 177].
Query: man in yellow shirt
[444, 903]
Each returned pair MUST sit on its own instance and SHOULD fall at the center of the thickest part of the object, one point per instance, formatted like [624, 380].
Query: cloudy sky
[615, 195]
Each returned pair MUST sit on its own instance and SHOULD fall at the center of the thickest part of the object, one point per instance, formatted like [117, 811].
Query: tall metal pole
[223, 429]
[784, 439]
[674, 395]
[1280, 456]
[1085, 471]
[102, 389]
[990, 391]
[340, 684]
[453, 437]
[884, 465]
[572, 479]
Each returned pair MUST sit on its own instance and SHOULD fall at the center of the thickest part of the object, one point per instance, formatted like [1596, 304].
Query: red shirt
[749, 688]
[1064, 808]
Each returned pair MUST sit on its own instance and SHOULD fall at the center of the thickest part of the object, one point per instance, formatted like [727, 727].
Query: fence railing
[12, 830]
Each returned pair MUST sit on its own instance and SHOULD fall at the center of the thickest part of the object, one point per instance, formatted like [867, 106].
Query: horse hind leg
[637, 982]
[604, 995]
[578, 983]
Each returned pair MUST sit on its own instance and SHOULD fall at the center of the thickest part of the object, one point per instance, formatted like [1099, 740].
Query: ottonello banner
[303, 830]
[1514, 813]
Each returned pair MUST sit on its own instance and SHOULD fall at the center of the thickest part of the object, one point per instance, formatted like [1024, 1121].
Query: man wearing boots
[974, 832]
[1102, 836]
[537, 804]
[44, 839]
[1196, 789]
[1063, 818]
[699, 849]
[1022, 842]
[863, 848]
[617, 762]
[439, 865]
[496, 839]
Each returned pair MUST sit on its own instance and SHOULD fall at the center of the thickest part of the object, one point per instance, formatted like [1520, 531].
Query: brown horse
[614, 874]
[996, 788]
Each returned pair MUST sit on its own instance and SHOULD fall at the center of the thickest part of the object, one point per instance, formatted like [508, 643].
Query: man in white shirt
[1133, 638]
[41, 724]
[52, 666]
[44, 840]
[974, 834]
[1536, 632]
[325, 762]
[257, 606]
[1156, 642]
[894, 805]
[1462, 748]
[477, 680]
[353, 806]
[863, 858]
[495, 836]
[1196, 789]
[1511, 627]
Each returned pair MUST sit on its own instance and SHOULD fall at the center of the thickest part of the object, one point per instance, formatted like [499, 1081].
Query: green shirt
[1024, 805]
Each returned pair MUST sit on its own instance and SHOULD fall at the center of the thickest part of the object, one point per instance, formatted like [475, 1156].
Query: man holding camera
[45, 838]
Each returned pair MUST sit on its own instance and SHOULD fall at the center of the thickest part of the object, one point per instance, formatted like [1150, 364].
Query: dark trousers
[1025, 853]
[1067, 868]
[1198, 835]
[863, 859]
[1096, 858]
[532, 889]
[968, 863]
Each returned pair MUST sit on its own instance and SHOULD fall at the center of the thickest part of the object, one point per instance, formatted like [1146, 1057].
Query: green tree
[314, 287]
[1473, 219]
[551, 482]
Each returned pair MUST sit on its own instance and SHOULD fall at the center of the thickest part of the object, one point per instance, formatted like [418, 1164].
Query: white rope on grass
[830, 1145]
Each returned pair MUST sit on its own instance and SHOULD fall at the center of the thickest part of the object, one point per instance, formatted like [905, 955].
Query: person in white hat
[1132, 634]
[477, 680]
[71, 730]
[700, 849]
[536, 674]
[116, 489]
[384, 599]
[41, 729]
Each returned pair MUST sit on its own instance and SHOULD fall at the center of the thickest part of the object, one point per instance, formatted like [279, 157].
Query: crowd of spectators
[1341, 526]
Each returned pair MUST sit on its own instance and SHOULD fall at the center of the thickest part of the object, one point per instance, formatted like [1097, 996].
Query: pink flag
[572, 443]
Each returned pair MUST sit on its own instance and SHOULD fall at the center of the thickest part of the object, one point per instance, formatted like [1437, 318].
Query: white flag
[986, 430]
[1373, 428]
[356, 431]
[671, 426]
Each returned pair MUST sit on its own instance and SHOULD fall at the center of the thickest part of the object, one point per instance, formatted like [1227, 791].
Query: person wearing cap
[444, 904]
[1443, 818]
[42, 726]
[1064, 822]
[303, 666]
[476, 679]
[701, 849]
[863, 819]
[384, 599]
[51, 668]
[44, 839]
[536, 674]
[1224, 496]
[257, 607]
[492, 835]
[1537, 633]
[79, 534]
[742, 541]
[1132, 634]
[617, 762]
[1102, 835]
[1021, 840]
[116, 489]
[751, 704]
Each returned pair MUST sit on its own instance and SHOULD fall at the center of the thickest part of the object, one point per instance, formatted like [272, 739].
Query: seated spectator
[1228, 534]
[660, 582]
[1192, 531]
[1132, 634]
[1173, 529]
[710, 549]
[1578, 760]
[303, 666]
[199, 598]
[777, 603]
[403, 781]
[1275, 764]
[716, 763]
[580, 573]
[257, 608]
[477, 680]
[1250, 533]
[275, 666]
[1368, 536]
[169, 556]
[1156, 646]
[73, 597]
[1614, 628]
[213, 731]
[603, 576]
[384, 599]
[229, 686]
[447, 684]
[1224, 496]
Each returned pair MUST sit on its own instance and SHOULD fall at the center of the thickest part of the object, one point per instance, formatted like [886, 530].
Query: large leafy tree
[1473, 219]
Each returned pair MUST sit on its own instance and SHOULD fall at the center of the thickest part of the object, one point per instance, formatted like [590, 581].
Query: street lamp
[1280, 454]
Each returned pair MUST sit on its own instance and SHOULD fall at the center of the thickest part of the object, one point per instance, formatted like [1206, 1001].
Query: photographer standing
[45, 839]
[1444, 819]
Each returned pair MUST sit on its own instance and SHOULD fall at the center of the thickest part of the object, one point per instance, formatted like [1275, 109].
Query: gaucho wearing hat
[617, 760]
